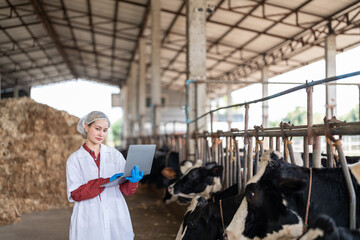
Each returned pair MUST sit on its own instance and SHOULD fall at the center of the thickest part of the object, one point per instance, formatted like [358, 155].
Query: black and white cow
[276, 200]
[164, 159]
[324, 228]
[198, 181]
[204, 220]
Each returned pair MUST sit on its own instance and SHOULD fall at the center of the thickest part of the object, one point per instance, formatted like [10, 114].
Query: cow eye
[250, 195]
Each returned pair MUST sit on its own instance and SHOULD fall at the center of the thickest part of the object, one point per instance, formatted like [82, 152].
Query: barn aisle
[151, 220]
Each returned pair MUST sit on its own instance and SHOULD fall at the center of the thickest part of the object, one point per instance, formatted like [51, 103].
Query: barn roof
[48, 41]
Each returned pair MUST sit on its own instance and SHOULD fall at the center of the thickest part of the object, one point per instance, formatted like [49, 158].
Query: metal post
[278, 144]
[155, 64]
[291, 152]
[306, 152]
[238, 161]
[250, 159]
[316, 152]
[309, 91]
[349, 184]
[271, 143]
[330, 62]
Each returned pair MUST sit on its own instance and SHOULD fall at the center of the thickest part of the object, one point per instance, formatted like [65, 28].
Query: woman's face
[97, 131]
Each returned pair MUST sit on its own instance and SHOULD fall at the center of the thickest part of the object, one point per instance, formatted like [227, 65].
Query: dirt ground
[151, 219]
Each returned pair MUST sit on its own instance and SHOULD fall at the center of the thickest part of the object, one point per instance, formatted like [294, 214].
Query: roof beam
[66, 17]
[88, 3]
[305, 40]
[140, 35]
[113, 44]
[52, 33]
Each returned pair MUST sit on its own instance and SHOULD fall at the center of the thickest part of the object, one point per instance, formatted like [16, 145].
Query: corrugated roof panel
[214, 31]
[180, 25]
[285, 31]
[172, 5]
[307, 56]
[238, 37]
[288, 4]
[226, 17]
[326, 8]
[224, 67]
[263, 43]
[82, 35]
[271, 12]
[302, 19]
[130, 12]
[166, 20]
[18, 33]
[255, 24]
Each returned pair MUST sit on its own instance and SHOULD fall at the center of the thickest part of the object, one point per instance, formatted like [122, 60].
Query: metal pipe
[316, 157]
[291, 152]
[309, 91]
[238, 161]
[250, 160]
[222, 161]
[256, 160]
[227, 162]
[306, 152]
[329, 153]
[350, 186]
[290, 90]
[286, 151]
[278, 143]
[351, 128]
[271, 143]
[245, 169]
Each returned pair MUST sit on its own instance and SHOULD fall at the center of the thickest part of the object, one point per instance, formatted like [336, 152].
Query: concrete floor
[150, 217]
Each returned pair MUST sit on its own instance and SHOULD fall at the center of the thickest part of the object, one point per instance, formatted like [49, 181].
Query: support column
[16, 90]
[196, 68]
[125, 124]
[132, 99]
[229, 102]
[142, 86]
[155, 66]
[330, 62]
[265, 93]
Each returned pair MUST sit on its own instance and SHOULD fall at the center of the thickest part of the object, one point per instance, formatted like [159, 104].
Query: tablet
[140, 155]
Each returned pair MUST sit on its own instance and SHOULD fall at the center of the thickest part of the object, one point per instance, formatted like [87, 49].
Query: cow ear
[216, 171]
[291, 184]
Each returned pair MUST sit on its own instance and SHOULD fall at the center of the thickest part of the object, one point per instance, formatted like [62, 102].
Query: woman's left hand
[136, 175]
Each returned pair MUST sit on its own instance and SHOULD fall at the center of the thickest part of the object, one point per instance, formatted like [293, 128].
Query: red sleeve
[89, 190]
[128, 188]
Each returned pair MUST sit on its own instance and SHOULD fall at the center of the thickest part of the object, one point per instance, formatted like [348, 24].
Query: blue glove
[115, 176]
[135, 175]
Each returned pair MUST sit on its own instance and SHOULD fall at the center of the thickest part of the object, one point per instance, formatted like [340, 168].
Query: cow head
[198, 223]
[266, 212]
[198, 180]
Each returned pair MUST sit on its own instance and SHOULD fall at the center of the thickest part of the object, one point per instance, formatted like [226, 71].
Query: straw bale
[35, 142]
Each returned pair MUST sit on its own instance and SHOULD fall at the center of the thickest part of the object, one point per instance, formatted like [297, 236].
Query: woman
[99, 213]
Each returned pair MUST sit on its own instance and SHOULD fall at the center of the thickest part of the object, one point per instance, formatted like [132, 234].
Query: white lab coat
[104, 217]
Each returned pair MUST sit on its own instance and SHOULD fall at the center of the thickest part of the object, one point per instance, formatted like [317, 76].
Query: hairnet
[88, 119]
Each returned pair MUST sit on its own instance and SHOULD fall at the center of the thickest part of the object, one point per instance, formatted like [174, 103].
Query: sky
[79, 97]
[347, 96]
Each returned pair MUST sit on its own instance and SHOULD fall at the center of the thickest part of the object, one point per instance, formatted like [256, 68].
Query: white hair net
[88, 119]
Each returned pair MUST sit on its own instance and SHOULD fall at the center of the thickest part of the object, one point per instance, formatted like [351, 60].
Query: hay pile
[35, 142]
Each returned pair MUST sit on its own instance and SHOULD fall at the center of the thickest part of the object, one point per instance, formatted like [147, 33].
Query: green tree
[298, 117]
[351, 116]
[115, 132]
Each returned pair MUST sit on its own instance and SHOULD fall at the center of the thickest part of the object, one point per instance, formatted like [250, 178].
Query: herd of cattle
[281, 201]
